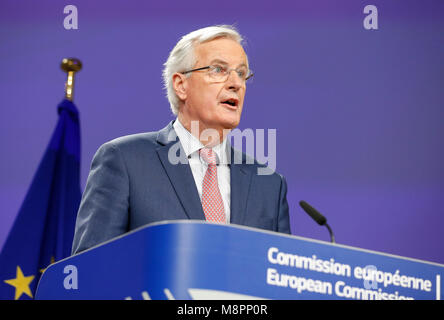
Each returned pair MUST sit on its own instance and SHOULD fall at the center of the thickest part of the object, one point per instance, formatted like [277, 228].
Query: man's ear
[180, 85]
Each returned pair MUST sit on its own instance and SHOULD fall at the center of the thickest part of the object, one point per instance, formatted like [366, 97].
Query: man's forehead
[221, 49]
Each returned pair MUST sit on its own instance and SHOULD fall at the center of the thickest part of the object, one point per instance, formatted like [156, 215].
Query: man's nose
[234, 82]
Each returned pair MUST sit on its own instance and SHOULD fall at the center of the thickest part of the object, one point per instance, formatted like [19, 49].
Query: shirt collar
[191, 144]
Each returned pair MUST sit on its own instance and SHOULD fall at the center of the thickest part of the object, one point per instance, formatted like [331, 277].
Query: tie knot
[208, 155]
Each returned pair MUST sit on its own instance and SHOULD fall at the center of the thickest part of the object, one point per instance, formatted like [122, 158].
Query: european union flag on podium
[44, 227]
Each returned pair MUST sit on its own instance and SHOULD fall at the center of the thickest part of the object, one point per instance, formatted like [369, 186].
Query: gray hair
[182, 56]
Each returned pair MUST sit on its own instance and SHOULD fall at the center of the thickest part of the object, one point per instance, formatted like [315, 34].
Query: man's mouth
[233, 103]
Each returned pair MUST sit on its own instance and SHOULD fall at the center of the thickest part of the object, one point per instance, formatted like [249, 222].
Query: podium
[198, 260]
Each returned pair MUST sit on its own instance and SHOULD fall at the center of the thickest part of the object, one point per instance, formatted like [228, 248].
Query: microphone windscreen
[312, 212]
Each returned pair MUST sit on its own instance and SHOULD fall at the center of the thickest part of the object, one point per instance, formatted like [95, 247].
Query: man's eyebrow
[218, 61]
[225, 63]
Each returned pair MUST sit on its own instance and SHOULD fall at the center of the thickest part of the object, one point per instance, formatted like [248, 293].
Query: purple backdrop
[359, 114]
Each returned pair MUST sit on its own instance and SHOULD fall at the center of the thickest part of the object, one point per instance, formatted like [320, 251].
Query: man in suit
[187, 170]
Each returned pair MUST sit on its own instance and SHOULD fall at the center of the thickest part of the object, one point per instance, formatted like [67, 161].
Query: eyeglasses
[220, 73]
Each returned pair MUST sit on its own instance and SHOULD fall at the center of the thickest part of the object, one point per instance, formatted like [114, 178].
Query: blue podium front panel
[198, 260]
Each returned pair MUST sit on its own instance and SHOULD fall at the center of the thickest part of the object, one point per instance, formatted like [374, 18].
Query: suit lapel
[240, 187]
[182, 179]
[180, 174]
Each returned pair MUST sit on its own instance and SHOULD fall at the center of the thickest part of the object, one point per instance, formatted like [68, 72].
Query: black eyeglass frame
[208, 67]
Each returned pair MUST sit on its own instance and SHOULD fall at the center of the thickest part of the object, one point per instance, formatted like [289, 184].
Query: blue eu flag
[44, 228]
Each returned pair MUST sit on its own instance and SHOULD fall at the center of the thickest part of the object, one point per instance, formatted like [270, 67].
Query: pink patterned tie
[212, 203]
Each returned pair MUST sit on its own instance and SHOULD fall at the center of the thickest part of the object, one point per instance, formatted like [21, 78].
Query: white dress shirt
[191, 145]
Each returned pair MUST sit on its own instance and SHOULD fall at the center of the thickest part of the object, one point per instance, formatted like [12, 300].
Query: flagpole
[71, 66]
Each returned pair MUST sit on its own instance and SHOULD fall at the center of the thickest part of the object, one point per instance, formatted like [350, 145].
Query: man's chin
[229, 117]
[230, 124]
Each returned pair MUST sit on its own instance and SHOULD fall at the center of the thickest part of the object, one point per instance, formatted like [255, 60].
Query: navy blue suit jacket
[132, 183]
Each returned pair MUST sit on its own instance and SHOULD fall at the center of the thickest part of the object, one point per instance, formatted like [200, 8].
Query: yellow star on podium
[21, 284]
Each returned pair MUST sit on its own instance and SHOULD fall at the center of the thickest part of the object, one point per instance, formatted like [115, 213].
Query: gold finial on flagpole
[71, 66]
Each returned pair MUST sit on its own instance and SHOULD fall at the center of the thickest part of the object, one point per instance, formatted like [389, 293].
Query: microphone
[318, 217]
